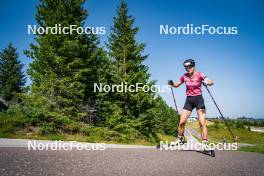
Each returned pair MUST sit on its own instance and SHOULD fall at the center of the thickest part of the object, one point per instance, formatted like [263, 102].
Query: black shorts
[194, 102]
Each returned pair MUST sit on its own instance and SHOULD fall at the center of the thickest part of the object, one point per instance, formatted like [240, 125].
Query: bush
[12, 118]
[48, 128]
[216, 124]
[239, 124]
[72, 127]
[86, 130]
[96, 134]
[113, 116]
[6, 131]
[14, 109]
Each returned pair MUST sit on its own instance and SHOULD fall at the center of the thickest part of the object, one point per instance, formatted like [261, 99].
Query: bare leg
[184, 117]
[202, 122]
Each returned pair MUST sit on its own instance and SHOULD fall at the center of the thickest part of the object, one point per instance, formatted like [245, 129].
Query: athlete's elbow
[176, 85]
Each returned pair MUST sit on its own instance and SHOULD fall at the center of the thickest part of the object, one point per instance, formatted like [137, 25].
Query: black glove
[204, 83]
[170, 82]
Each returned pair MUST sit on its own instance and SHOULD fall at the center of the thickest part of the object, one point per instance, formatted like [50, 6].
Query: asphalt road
[127, 161]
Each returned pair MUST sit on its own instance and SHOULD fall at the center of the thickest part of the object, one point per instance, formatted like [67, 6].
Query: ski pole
[174, 100]
[234, 138]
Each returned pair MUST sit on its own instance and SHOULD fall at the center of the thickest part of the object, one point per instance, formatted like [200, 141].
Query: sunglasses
[187, 67]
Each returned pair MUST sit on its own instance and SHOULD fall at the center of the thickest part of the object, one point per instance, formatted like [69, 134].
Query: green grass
[164, 138]
[219, 132]
[256, 149]
[243, 135]
[93, 138]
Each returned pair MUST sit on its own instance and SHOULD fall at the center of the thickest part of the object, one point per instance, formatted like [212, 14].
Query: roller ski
[180, 140]
[206, 149]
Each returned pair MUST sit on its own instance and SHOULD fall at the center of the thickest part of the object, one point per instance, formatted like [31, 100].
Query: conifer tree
[12, 78]
[127, 56]
[64, 65]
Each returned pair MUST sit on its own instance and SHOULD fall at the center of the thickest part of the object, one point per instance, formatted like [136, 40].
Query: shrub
[101, 134]
[86, 130]
[216, 125]
[72, 127]
[239, 124]
[48, 128]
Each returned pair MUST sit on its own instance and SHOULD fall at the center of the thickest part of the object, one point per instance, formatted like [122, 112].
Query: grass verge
[255, 149]
[18, 127]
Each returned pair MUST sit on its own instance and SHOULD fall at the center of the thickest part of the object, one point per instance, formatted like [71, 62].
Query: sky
[233, 62]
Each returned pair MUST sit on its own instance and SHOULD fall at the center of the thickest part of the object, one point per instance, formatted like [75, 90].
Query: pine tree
[64, 65]
[12, 78]
[127, 56]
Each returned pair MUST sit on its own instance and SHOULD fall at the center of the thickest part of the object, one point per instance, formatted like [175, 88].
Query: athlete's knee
[201, 112]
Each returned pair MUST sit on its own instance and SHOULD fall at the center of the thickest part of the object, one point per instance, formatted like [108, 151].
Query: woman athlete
[193, 80]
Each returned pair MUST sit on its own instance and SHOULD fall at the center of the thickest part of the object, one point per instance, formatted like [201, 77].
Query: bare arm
[177, 84]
